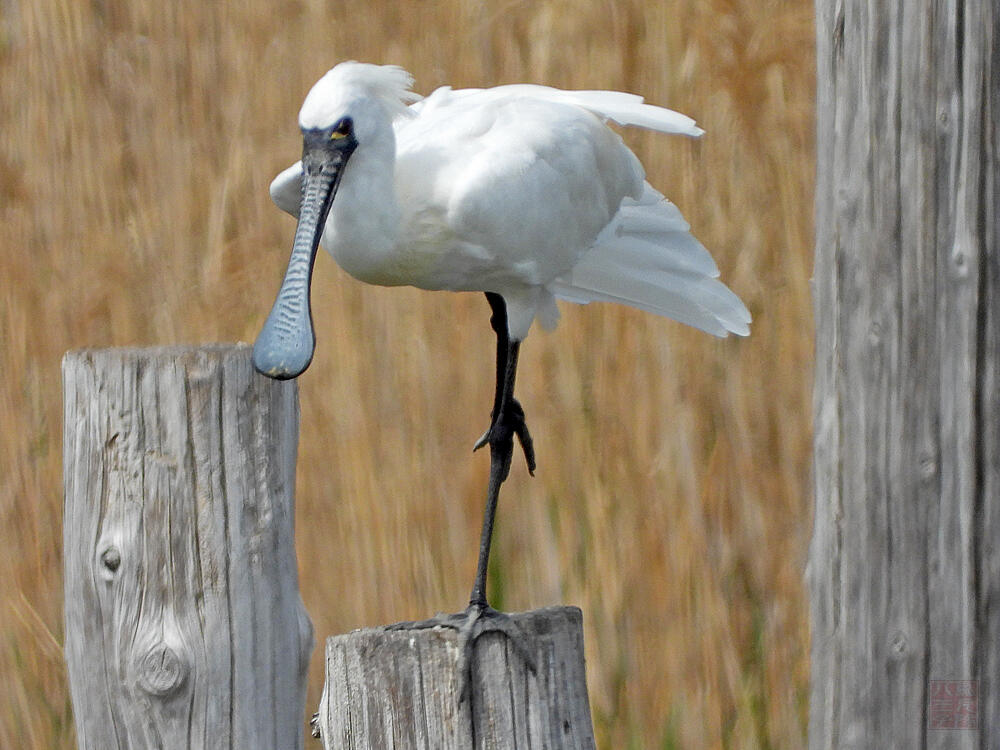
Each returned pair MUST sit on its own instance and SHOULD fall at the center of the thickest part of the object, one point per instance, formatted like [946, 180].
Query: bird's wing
[286, 189]
[528, 181]
[646, 258]
[617, 106]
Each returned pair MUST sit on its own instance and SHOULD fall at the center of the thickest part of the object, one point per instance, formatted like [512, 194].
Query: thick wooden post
[184, 626]
[905, 556]
[400, 689]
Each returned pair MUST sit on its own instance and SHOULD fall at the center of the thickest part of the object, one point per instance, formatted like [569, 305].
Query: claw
[482, 441]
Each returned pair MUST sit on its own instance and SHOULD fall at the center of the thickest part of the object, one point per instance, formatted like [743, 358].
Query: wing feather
[646, 258]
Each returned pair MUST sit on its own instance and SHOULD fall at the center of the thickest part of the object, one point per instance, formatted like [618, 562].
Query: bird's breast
[413, 255]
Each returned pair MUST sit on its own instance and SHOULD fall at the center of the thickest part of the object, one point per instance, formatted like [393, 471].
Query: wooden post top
[400, 688]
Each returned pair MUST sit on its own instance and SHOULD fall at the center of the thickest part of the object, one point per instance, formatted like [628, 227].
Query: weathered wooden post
[184, 626]
[905, 556]
[400, 689]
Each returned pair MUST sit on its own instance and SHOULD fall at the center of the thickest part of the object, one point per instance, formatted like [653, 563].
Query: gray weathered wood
[904, 566]
[184, 625]
[399, 689]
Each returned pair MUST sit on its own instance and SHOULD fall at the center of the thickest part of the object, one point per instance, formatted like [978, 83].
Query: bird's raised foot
[473, 622]
[500, 435]
[314, 729]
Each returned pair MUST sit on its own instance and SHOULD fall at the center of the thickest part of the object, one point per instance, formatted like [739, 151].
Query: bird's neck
[363, 226]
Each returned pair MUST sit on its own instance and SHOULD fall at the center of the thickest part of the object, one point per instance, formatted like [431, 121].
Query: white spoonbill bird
[520, 191]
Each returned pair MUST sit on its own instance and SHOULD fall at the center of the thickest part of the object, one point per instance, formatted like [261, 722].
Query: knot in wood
[111, 560]
[898, 643]
[943, 118]
[875, 334]
[928, 468]
[161, 670]
[959, 261]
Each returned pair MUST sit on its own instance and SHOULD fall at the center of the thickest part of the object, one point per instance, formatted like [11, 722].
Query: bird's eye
[342, 130]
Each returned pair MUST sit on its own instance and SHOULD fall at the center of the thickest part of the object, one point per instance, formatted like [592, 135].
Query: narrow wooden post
[904, 566]
[400, 689]
[184, 626]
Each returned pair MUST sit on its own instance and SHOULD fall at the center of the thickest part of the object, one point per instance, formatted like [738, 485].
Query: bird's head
[351, 107]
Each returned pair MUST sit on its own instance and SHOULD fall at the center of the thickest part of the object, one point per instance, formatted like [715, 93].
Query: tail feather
[647, 259]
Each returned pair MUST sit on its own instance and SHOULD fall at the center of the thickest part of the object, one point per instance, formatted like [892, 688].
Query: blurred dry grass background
[671, 502]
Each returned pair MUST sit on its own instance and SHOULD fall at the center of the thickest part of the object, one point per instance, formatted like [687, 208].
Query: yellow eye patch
[342, 130]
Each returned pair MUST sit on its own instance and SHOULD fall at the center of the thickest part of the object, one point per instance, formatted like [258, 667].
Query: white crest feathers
[389, 84]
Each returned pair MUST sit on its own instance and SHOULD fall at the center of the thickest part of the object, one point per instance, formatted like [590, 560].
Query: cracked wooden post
[399, 688]
[184, 625]
[904, 567]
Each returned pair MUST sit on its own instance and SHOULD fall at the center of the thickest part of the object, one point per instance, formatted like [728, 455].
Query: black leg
[505, 406]
[498, 322]
[507, 421]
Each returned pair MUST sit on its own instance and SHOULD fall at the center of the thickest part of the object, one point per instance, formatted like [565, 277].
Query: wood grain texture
[904, 567]
[399, 689]
[184, 625]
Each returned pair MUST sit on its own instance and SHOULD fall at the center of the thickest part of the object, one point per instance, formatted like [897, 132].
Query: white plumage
[521, 190]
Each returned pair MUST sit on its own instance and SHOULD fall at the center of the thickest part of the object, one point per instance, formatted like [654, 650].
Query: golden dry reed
[671, 503]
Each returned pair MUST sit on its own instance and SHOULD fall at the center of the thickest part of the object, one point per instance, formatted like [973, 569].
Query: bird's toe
[483, 440]
[470, 624]
[490, 620]
[520, 428]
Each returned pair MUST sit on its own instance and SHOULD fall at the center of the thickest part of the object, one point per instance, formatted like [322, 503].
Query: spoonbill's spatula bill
[522, 192]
